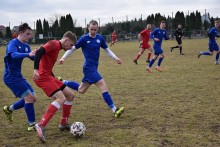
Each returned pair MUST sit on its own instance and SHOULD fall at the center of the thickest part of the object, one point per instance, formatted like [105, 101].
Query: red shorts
[145, 46]
[49, 84]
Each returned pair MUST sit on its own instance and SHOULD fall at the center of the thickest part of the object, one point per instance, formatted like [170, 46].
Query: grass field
[178, 107]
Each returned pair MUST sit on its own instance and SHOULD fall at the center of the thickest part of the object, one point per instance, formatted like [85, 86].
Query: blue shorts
[21, 88]
[213, 47]
[158, 50]
[91, 76]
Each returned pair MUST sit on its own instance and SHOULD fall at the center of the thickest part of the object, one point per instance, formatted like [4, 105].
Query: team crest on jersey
[88, 41]
[26, 49]
[98, 41]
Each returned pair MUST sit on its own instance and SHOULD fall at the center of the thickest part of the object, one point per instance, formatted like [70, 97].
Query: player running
[144, 37]
[18, 49]
[91, 44]
[114, 38]
[213, 46]
[158, 34]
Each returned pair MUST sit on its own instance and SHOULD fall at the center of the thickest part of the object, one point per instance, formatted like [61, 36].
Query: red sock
[137, 57]
[51, 110]
[149, 54]
[66, 112]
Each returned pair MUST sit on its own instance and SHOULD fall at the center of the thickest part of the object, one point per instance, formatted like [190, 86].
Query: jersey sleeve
[103, 43]
[80, 43]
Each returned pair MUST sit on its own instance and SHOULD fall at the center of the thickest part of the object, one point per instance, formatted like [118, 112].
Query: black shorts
[179, 40]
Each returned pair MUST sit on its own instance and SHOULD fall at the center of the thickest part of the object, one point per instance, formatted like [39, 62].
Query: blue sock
[108, 99]
[19, 104]
[72, 84]
[206, 53]
[151, 62]
[159, 61]
[217, 57]
[29, 109]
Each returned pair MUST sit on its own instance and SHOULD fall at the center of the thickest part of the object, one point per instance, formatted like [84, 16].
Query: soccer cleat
[182, 54]
[149, 70]
[40, 133]
[199, 54]
[8, 113]
[216, 62]
[158, 68]
[60, 78]
[148, 61]
[119, 111]
[31, 127]
[64, 127]
[135, 61]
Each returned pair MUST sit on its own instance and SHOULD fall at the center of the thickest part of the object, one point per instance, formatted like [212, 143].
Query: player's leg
[152, 62]
[217, 55]
[150, 50]
[171, 49]
[210, 53]
[108, 99]
[138, 55]
[159, 62]
[67, 105]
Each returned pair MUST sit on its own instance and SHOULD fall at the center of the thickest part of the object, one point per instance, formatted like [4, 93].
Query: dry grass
[178, 107]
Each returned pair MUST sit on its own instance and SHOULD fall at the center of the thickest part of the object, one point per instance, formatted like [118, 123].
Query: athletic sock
[72, 84]
[51, 110]
[66, 112]
[149, 55]
[17, 105]
[108, 99]
[151, 62]
[30, 112]
[159, 61]
[217, 57]
[205, 53]
[180, 50]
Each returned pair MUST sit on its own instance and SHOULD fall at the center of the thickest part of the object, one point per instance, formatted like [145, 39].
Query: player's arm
[112, 55]
[67, 54]
[39, 53]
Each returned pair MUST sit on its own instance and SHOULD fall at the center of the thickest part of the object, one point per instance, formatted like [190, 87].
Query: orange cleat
[158, 68]
[149, 70]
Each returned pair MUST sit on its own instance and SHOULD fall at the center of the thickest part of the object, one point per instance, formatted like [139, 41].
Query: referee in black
[178, 33]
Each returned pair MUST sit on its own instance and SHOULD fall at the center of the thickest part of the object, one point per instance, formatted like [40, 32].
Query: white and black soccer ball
[77, 129]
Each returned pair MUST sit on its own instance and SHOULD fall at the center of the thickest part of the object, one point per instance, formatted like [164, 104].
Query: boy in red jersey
[45, 58]
[144, 37]
[114, 38]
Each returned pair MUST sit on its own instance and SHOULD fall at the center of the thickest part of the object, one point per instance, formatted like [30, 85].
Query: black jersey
[178, 33]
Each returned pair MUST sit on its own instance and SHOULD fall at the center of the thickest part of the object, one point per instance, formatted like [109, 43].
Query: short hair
[216, 21]
[93, 22]
[163, 21]
[70, 35]
[23, 27]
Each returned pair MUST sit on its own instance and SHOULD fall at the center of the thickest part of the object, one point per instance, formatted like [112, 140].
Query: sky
[15, 12]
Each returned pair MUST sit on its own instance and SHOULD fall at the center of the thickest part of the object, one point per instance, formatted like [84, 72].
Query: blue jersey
[160, 34]
[91, 50]
[212, 34]
[15, 53]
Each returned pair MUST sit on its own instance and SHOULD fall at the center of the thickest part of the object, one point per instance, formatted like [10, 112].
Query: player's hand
[32, 53]
[156, 39]
[35, 75]
[118, 60]
[61, 61]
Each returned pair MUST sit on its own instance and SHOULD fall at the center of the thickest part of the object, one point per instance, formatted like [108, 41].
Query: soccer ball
[77, 129]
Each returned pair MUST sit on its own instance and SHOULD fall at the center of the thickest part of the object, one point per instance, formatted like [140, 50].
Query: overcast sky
[17, 11]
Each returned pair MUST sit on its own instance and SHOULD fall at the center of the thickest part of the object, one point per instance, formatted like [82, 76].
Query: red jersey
[114, 36]
[145, 34]
[48, 60]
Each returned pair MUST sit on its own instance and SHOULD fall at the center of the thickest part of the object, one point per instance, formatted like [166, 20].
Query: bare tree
[54, 17]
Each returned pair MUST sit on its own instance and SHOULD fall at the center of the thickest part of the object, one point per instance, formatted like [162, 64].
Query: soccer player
[178, 34]
[114, 38]
[144, 37]
[45, 58]
[213, 46]
[158, 34]
[17, 49]
[90, 44]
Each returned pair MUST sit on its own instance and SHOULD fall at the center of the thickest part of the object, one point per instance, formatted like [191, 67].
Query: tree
[1, 34]
[45, 27]
[8, 33]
